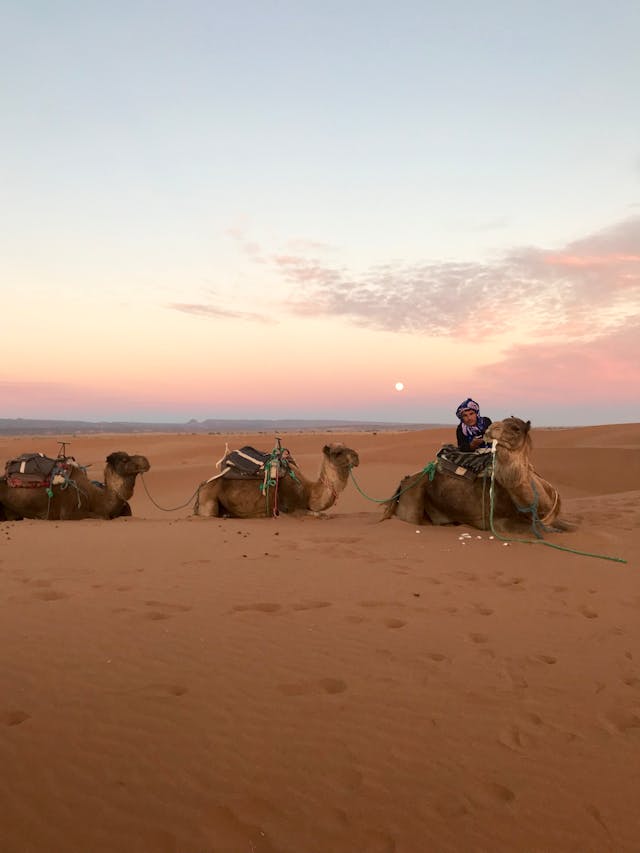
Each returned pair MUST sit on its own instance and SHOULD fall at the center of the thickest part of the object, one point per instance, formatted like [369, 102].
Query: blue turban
[468, 404]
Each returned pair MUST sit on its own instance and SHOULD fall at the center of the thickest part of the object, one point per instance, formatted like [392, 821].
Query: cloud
[216, 313]
[580, 290]
[576, 372]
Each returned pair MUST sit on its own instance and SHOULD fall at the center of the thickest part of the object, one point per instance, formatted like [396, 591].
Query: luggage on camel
[35, 470]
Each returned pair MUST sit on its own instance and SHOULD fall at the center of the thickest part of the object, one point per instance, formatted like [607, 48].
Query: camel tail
[391, 506]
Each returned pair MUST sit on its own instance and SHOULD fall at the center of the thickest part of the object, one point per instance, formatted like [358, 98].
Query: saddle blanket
[468, 465]
[35, 470]
[246, 462]
[251, 464]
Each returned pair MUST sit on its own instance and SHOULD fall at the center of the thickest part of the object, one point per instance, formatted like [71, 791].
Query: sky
[282, 208]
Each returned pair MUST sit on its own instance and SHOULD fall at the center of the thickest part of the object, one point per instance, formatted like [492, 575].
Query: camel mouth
[351, 462]
[138, 465]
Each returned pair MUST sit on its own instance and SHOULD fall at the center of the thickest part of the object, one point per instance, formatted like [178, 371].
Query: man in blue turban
[472, 426]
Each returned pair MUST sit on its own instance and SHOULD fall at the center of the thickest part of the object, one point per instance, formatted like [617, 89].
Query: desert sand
[173, 684]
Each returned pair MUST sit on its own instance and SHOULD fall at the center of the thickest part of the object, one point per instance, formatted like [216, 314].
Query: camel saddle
[467, 465]
[251, 464]
[35, 470]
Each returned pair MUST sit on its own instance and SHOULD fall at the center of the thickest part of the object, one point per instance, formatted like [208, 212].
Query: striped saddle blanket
[251, 464]
[468, 465]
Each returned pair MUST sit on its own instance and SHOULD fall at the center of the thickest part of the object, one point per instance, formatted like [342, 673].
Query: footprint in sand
[261, 607]
[587, 612]
[482, 610]
[158, 615]
[324, 685]
[432, 581]
[493, 792]
[50, 595]
[515, 738]
[512, 583]
[438, 657]
[595, 814]
[478, 638]
[394, 623]
[548, 659]
[180, 608]
[13, 718]
[310, 605]
[167, 689]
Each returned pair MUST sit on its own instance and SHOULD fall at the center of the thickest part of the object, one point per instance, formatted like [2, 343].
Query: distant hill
[29, 426]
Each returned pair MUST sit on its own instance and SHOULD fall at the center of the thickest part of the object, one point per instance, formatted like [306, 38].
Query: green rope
[536, 541]
[428, 470]
[277, 455]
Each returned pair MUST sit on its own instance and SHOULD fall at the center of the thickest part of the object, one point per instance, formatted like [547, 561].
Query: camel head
[121, 471]
[512, 434]
[127, 466]
[340, 457]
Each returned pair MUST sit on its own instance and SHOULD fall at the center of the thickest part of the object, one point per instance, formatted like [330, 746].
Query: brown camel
[79, 497]
[522, 498]
[237, 498]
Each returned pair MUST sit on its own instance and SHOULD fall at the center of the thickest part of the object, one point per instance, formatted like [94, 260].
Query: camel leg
[435, 515]
[411, 511]
[207, 505]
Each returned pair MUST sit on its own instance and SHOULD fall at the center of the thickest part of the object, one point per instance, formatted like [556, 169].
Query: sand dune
[339, 685]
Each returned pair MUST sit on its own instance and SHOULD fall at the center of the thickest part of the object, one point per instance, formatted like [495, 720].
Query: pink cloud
[585, 261]
[607, 368]
[576, 290]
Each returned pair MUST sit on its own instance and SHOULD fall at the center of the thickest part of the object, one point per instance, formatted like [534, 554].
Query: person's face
[469, 417]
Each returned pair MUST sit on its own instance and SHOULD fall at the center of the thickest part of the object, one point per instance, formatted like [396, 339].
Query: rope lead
[428, 470]
[533, 541]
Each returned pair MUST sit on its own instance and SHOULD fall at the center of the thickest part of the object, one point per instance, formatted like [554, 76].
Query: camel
[522, 498]
[243, 498]
[80, 497]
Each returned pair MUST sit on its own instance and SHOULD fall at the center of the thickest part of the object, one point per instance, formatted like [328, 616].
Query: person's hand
[476, 442]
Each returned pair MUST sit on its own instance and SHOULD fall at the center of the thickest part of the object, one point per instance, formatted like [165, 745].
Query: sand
[171, 684]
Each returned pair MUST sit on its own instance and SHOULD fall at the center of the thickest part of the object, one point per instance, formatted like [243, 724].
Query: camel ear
[114, 458]
[527, 427]
[326, 450]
